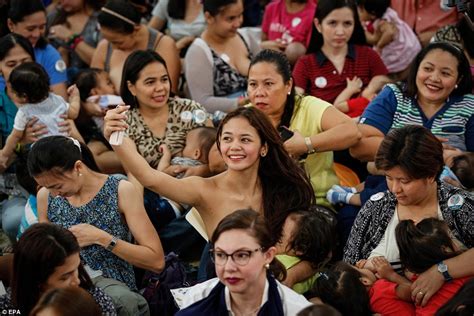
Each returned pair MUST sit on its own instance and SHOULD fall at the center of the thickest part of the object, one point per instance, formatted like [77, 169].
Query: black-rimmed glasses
[240, 257]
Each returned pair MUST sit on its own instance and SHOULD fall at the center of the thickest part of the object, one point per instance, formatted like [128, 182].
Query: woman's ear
[131, 88]
[317, 24]
[289, 86]
[79, 167]
[10, 24]
[269, 254]
[208, 17]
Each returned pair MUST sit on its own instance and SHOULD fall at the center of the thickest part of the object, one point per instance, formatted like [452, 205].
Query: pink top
[290, 27]
[398, 54]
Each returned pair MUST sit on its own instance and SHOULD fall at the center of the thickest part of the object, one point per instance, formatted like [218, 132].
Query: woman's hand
[60, 32]
[87, 234]
[114, 120]
[33, 130]
[295, 146]
[426, 285]
[65, 126]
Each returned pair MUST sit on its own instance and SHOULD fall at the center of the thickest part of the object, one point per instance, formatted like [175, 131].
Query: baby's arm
[74, 102]
[353, 86]
[10, 144]
[385, 271]
[387, 31]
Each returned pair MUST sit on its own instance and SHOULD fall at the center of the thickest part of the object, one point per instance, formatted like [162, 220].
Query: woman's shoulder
[292, 301]
[187, 296]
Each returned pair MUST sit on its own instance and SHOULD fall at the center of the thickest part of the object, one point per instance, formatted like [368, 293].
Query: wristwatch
[443, 269]
[112, 244]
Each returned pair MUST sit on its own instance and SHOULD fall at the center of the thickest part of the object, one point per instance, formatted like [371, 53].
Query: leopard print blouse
[175, 134]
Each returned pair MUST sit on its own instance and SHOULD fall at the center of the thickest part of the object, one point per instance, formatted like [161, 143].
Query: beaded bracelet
[74, 40]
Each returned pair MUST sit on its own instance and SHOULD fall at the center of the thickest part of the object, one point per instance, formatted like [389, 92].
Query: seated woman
[103, 212]
[318, 128]
[414, 193]
[123, 34]
[47, 257]
[216, 65]
[183, 19]
[28, 18]
[337, 52]
[244, 255]
[74, 31]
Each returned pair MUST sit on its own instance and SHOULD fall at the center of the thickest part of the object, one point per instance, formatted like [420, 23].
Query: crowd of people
[237, 157]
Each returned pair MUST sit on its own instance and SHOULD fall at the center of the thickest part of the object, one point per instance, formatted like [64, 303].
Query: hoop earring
[263, 154]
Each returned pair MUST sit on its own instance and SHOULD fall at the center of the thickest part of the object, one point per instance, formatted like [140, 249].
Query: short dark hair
[374, 7]
[58, 154]
[323, 9]
[341, 288]
[424, 244]
[86, 80]
[319, 310]
[126, 9]
[207, 138]
[9, 41]
[71, 301]
[23, 176]
[464, 73]
[314, 240]
[40, 250]
[283, 67]
[254, 223]
[134, 65]
[277, 171]
[411, 148]
[461, 304]
[19, 9]
[214, 7]
[463, 166]
[30, 80]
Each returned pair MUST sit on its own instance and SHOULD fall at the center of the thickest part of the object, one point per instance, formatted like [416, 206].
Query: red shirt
[357, 106]
[384, 300]
[316, 74]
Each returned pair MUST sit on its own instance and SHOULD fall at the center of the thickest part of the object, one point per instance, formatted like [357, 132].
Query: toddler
[30, 86]
[309, 236]
[392, 37]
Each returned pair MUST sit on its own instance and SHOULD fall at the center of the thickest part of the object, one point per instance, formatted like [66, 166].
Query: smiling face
[436, 77]
[408, 191]
[15, 57]
[32, 26]
[336, 28]
[267, 90]
[247, 278]
[240, 145]
[65, 275]
[152, 88]
[226, 23]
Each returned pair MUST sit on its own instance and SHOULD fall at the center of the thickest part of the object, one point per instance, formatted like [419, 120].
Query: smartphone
[285, 133]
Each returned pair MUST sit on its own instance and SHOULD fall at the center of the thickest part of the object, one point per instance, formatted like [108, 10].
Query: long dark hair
[464, 73]
[9, 41]
[257, 226]
[424, 244]
[341, 288]
[134, 64]
[177, 9]
[19, 9]
[277, 171]
[323, 9]
[40, 250]
[58, 154]
[283, 67]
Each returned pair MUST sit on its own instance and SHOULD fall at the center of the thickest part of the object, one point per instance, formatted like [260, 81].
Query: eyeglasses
[240, 257]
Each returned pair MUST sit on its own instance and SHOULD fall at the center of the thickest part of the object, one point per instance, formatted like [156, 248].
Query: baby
[30, 86]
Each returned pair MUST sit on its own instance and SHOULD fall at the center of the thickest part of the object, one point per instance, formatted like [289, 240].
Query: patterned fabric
[102, 212]
[372, 220]
[227, 80]
[448, 33]
[175, 134]
[103, 300]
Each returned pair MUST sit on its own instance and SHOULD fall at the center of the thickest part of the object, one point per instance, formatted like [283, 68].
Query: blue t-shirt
[51, 60]
[454, 121]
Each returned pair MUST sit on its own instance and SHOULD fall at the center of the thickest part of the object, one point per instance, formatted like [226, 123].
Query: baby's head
[424, 244]
[199, 142]
[344, 288]
[29, 83]
[309, 235]
[94, 81]
[370, 10]
[463, 166]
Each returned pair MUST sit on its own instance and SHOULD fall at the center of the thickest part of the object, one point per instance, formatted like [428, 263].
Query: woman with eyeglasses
[247, 273]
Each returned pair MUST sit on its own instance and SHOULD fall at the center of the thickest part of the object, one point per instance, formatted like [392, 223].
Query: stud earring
[455, 86]
[267, 266]
[289, 92]
[263, 154]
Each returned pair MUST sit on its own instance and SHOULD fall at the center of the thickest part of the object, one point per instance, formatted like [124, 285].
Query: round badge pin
[295, 22]
[377, 196]
[320, 82]
[60, 66]
[455, 202]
